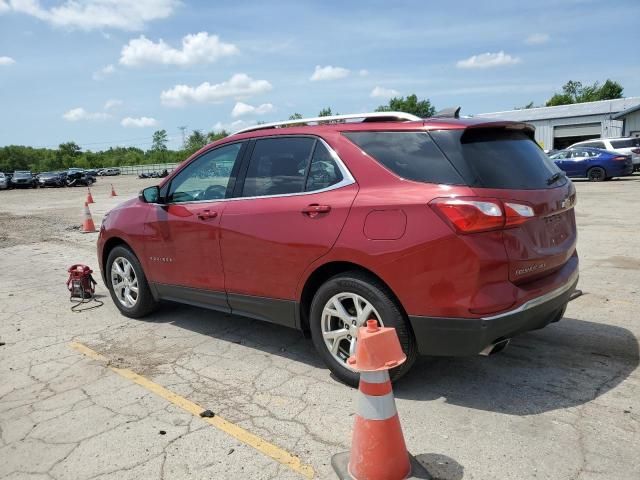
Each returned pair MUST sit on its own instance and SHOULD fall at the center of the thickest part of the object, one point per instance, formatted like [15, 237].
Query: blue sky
[110, 72]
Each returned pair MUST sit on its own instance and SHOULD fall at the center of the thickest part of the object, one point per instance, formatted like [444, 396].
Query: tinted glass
[324, 170]
[278, 166]
[594, 145]
[206, 178]
[497, 158]
[411, 155]
[626, 143]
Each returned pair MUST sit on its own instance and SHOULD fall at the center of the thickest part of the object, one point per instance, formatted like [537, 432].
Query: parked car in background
[460, 233]
[23, 179]
[109, 172]
[4, 181]
[52, 179]
[78, 177]
[592, 163]
[626, 146]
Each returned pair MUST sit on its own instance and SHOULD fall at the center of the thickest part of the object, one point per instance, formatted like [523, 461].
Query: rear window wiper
[555, 177]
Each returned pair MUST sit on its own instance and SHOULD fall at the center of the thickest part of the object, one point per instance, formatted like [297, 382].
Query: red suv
[460, 233]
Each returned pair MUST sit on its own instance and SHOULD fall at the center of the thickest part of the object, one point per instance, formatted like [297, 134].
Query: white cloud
[6, 61]
[363, 72]
[141, 122]
[112, 103]
[233, 126]
[241, 109]
[96, 14]
[488, 60]
[104, 72]
[239, 85]
[4, 6]
[78, 114]
[198, 48]
[537, 39]
[328, 73]
[381, 92]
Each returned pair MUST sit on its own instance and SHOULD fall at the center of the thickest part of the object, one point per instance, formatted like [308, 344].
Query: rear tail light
[622, 157]
[471, 215]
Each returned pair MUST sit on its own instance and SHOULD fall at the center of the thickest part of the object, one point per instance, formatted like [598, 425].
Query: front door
[295, 198]
[183, 233]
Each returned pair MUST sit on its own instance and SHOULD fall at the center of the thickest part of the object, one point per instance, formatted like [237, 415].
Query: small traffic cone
[89, 196]
[113, 191]
[87, 224]
[378, 450]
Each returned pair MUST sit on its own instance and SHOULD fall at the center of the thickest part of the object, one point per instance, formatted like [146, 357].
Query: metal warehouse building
[561, 126]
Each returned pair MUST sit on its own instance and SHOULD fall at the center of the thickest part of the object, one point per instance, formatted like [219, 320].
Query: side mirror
[150, 194]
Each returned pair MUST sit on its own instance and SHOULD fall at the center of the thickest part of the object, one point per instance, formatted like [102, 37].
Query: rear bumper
[469, 336]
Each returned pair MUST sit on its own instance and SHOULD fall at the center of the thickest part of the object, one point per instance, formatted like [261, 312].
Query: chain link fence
[149, 168]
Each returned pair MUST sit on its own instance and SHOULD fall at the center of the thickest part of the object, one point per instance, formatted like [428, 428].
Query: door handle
[314, 209]
[207, 215]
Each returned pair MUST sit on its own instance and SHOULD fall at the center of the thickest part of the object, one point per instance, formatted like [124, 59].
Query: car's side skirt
[281, 312]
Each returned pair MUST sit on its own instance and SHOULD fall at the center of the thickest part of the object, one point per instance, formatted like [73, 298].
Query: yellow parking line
[239, 433]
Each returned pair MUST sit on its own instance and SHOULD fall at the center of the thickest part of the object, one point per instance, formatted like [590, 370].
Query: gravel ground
[559, 403]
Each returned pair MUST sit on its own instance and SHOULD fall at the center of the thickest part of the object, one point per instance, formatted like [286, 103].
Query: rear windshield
[498, 158]
[626, 143]
[410, 155]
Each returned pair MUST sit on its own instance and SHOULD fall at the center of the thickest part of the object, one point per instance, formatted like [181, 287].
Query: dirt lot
[560, 403]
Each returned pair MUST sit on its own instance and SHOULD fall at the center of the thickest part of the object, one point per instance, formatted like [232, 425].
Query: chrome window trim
[347, 179]
[539, 300]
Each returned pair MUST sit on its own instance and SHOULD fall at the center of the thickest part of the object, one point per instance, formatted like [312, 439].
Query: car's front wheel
[340, 307]
[127, 284]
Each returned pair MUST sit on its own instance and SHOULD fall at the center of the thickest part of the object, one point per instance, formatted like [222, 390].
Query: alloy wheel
[124, 282]
[342, 317]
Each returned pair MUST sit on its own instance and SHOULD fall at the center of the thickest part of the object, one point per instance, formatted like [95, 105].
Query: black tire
[596, 174]
[145, 303]
[379, 296]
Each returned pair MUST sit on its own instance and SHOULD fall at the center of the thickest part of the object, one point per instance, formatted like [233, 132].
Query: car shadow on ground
[566, 364]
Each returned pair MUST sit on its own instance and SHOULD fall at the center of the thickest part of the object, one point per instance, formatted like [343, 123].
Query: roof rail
[451, 112]
[399, 116]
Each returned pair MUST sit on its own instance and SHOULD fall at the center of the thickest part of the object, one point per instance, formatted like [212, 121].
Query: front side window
[208, 177]
[278, 166]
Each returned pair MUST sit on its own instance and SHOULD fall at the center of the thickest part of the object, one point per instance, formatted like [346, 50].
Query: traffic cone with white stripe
[113, 191]
[89, 196]
[378, 450]
[87, 224]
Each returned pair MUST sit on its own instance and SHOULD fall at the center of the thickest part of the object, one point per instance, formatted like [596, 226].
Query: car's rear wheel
[596, 174]
[127, 284]
[340, 307]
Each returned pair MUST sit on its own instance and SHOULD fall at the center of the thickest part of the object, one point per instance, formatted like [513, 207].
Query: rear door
[577, 163]
[506, 163]
[292, 202]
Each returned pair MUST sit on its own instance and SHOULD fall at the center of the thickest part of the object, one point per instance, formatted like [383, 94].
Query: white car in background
[4, 181]
[626, 146]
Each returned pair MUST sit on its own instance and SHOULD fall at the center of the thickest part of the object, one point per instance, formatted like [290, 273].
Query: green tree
[526, 107]
[69, 154]
[214, 136]
[295, 116]
[410, 104]
[575, 92]
[195, 141]
[325, 112]
[160, 140]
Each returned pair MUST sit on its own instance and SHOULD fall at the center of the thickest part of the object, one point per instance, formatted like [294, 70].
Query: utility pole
[183, 129]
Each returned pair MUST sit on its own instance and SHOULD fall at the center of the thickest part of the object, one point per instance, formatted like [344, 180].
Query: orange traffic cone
[87, 223]
[113, 191]
[378, 450]
[89, 196]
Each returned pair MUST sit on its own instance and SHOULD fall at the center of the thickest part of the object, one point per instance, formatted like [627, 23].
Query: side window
[324, 170]
[278, 166]
[594, 145]
[206, 178]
